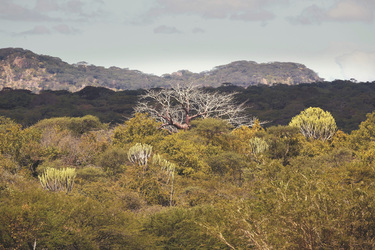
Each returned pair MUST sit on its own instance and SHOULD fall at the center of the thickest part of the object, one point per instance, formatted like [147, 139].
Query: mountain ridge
[24, 69]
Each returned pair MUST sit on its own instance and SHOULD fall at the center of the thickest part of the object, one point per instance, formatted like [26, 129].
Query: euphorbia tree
[315, 123]
[178, 106]
[139, 154]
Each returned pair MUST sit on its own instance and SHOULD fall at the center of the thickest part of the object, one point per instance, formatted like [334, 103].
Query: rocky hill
[245, 73]
[23, 69]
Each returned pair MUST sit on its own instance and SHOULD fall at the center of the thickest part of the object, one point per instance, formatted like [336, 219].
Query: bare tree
[178, 106]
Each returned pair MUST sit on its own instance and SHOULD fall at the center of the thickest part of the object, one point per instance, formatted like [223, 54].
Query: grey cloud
[342, 10]
[44, 30]
[37, 30]
[257, 15]
[65, 29]
[163, 29]
[16, 12]
[92, 9]
[81, 9]
[46, 5]
[74, 6]
[71, 6]
[197, 30]
[311, 15]
[246, 10]
[51, 10]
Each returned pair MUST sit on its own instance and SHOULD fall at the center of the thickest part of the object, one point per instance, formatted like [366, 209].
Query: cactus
[169, 169]
[165, 165]
[139, 154]
[315, 123]
[58, 179]
[258, 145]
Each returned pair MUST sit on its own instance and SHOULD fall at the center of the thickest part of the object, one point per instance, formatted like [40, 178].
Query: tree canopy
[315, 123]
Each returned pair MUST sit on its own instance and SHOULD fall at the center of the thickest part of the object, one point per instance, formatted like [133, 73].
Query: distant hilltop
[23, 69]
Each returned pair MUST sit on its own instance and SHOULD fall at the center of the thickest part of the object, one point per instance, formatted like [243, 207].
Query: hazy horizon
[335, 38]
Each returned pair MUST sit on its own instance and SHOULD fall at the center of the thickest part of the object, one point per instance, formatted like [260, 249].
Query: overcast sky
[335, 38]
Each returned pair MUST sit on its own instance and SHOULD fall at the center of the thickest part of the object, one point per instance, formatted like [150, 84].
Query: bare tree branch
[178, 106]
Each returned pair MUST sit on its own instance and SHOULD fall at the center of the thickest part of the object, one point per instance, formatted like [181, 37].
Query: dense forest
[349, 102]
[81, 177]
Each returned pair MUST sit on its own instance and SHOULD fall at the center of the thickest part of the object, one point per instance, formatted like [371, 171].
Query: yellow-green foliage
[315, 123]
[365, 134]
[31, 148]
[299, 194]
[29, 215]
[242, 135]
[229, 164]
[77, 125]
[10, 137]
[139, 129]
[212, 130]
[90, 173]
[188, 155]
[58, 179]
[8, 164]
[285, 142]
[113, 160]
[258, 145]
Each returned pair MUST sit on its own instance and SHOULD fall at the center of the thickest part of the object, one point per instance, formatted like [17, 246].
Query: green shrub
[139, 129]
[184, 228]
[90, 173]
[132, 201]
[8, 164]
[76, 125]
[113, 160]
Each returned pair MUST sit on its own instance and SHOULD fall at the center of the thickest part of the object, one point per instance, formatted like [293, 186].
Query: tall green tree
[315, 123]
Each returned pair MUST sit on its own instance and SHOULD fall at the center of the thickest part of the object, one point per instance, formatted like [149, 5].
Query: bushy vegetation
[210, 187]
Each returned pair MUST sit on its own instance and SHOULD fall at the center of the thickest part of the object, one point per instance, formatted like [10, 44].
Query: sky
[335, 38]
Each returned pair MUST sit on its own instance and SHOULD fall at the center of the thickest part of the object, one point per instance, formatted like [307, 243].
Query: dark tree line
[348, 102]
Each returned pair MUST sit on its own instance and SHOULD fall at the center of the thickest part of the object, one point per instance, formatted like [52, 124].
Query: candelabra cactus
[58, 179]
[169, 169]
[139, 154]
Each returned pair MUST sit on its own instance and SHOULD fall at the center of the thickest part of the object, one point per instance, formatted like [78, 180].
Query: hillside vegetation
[76, 183]
[23, 69]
